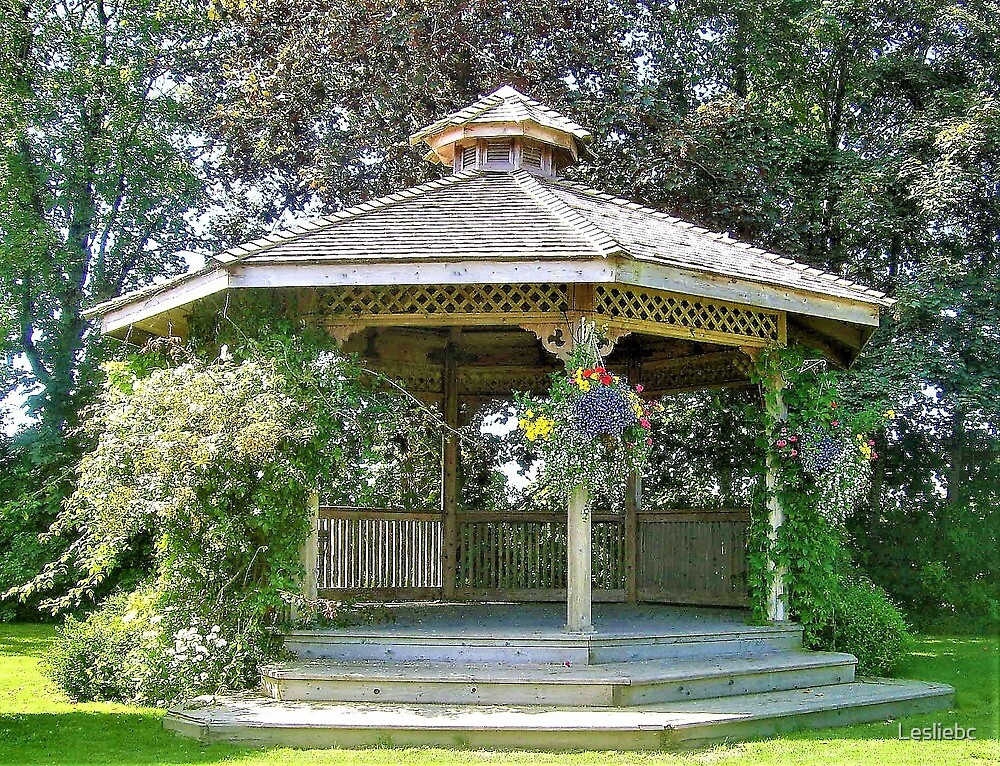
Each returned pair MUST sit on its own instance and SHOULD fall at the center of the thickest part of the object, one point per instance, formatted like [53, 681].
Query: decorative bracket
[559, 339]
[556, 337]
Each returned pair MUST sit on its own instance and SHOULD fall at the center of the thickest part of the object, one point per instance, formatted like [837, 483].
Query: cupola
[505, 130]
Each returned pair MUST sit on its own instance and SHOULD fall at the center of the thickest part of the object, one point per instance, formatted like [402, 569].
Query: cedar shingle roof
[504, 105]
[651, 235]
[515, 215]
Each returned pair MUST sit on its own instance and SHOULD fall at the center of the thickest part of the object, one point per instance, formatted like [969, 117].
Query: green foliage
[800, 401]
[210, 466]
[97, 169]
[704, 452]
[866, 623]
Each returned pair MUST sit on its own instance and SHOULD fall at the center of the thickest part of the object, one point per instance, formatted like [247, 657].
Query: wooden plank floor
[547, 619]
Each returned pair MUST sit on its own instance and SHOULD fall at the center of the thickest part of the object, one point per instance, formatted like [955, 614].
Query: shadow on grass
[85, 738]
[26, 640]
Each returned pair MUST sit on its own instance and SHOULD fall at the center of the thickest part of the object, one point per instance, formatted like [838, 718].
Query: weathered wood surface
[256, 720]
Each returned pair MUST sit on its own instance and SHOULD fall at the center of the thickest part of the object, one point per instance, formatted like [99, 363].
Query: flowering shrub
[592, 427]
[203, 472]
[139, 649]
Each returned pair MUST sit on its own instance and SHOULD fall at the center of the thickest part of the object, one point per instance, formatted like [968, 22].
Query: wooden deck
[507, 676]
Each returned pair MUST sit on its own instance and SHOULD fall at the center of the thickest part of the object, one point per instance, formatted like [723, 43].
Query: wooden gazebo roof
[505, 241]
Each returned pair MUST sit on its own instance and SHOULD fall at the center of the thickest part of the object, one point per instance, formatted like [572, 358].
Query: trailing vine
[818, 457]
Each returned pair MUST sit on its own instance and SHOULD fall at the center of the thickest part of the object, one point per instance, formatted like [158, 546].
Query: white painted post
[777, 609]
[578, 563]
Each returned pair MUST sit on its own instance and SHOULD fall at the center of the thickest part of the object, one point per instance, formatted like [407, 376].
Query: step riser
[451, 738]
[733, 685]
[640, 650]
[546, 739]
[589, 694]
[846, 716]
[541, 652]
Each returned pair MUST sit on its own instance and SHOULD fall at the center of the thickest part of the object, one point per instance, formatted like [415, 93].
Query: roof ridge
[721, 236]
[299, 230]
[603, 242]
[500, 96]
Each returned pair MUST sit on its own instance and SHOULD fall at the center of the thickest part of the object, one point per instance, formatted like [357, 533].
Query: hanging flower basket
[591, 428]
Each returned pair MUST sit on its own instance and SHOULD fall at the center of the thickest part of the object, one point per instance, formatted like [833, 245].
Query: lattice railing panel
[640, 305]
[434, 300]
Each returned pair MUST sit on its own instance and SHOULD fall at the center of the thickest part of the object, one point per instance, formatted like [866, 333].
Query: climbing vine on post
[817, 459]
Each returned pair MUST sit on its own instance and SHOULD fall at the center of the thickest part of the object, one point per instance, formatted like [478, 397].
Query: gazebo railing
[681, 556]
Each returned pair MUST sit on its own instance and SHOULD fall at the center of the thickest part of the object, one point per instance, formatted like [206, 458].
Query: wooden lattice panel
[655, 310]
[550, 305]
[416, 301]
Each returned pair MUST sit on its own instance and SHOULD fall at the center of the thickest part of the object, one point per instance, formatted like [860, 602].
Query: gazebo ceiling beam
[696, 372]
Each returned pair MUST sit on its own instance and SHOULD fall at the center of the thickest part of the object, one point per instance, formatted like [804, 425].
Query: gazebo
[468, 288]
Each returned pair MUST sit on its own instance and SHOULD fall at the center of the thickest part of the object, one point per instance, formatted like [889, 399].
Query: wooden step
[258, 720]
[539, 647]
[604, 685]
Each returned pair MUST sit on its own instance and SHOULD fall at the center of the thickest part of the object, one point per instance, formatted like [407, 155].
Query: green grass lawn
[38, 725]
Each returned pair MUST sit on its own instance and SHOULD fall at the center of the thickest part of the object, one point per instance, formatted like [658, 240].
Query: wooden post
[578, 563]
[309, 553]
[633, 501]
[777, 609]
[449, 480]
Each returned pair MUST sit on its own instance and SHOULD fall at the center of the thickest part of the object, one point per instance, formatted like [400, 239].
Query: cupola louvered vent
[498, 151]
[531, 156]
[469, 157]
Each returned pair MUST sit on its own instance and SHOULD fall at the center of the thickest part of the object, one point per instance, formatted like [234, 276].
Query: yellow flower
[890, 414]
[585, 386]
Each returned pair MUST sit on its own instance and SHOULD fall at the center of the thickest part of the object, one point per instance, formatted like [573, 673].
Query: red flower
[874, 455]
[834, 423]
[649, 442]
[794, 452]
[644, 422]
[639, 388]
[833, 405]
[600, 370]
[793, 438]
[606, 379]
[871, 442]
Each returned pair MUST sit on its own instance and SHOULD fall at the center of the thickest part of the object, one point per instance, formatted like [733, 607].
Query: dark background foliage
[855, 135]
